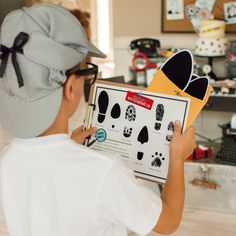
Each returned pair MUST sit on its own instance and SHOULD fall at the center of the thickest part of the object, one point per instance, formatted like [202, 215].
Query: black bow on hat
[19, 42]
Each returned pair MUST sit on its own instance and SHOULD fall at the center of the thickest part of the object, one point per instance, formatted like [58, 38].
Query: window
[104, 26]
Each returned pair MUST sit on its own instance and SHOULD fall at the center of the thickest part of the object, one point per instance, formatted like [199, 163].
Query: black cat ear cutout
[115, 111]
[171, 126]
[103, 101]
[143, 135]
[179, 68]
[198, 87]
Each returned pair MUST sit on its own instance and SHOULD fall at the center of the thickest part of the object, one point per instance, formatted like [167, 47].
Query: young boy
[51, 185]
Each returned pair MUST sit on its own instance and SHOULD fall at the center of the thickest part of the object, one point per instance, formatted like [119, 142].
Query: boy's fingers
[191, 130]
[79, 129]
[177, 128]
[88, 132]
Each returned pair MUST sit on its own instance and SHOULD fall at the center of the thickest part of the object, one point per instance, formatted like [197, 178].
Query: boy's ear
[179, 68]
[68, 87]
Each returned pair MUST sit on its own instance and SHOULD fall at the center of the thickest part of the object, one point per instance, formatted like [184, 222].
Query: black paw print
[130, 113]
[127, 132]
[158, 159]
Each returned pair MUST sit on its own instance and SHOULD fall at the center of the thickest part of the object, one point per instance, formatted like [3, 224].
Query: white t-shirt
[52, 186]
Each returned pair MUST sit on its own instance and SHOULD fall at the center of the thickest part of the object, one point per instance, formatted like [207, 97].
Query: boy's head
[39, 45]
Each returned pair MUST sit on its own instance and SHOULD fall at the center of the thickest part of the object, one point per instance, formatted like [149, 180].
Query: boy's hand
[182, 145]
[79, 135]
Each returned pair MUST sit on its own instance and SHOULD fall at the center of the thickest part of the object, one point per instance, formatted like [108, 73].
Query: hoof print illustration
[168, 137]
[171, 126]
[159, 116]
[140, 156]
[143, 135]
[158, 159]
[127, 132]
[115, 111]
[103, 101]
[130, 113]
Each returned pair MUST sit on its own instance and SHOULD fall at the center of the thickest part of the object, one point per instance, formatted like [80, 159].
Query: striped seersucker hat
[38, 45]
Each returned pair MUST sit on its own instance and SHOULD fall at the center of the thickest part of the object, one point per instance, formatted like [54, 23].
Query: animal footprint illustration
[159, 116]
[127, 132]
[158, 159]
[140, 155]
[130, 113]
[173, 68]
[103, 101]
[143, 135]
[115, 111]
[168, 137]
[171, 126]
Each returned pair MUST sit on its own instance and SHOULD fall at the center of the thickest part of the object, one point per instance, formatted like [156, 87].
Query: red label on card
[139, 100]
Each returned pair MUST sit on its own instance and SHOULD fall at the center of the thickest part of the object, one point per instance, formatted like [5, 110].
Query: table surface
[204, 223]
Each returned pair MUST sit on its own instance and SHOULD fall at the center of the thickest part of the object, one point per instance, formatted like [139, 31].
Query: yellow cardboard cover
[161, 84]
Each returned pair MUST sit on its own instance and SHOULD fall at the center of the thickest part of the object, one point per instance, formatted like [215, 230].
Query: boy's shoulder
[98, 164]
[97, 157]
[60, 156]
[56, 150]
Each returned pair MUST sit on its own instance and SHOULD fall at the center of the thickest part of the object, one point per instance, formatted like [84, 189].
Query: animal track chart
[136, 125]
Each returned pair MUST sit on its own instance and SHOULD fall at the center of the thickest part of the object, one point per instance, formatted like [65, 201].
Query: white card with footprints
[137, 126]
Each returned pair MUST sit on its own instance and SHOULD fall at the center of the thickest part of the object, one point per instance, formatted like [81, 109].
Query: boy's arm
[173, 194]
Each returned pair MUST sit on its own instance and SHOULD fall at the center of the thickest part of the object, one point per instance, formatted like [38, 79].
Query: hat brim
[29, 119]
[94, 51]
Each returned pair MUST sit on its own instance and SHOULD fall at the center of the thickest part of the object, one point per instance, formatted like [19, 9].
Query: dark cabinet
[225, 103]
